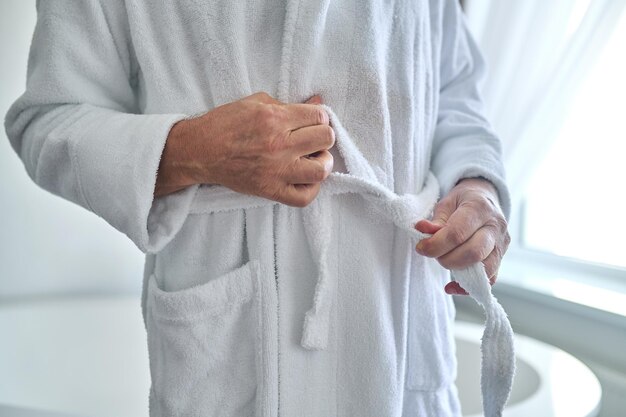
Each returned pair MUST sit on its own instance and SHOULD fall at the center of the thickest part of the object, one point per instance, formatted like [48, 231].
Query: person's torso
[223, 316]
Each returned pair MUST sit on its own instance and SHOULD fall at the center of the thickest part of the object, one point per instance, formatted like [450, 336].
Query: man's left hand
[468, 226]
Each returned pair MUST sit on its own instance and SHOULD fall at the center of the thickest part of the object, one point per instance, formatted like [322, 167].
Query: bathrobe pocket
[431, 345]
[203, 343]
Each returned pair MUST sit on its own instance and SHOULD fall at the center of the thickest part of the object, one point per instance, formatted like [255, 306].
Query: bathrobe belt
[402, 210]
[498, 364]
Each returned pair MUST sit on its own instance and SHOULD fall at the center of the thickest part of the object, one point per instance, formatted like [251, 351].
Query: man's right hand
[256, 145]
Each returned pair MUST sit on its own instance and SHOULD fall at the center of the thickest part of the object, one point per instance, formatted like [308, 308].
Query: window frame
[541, 272]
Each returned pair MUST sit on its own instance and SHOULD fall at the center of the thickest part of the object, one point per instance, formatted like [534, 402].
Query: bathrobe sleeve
[77, 128]
[464, 144]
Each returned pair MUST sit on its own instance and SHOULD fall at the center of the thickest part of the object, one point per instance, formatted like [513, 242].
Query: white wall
[49, 245]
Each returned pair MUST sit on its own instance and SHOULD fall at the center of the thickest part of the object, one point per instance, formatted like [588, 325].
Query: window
[575, 205]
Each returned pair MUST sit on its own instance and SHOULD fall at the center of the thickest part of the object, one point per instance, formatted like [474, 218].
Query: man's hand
[256, 145]
[468, 226]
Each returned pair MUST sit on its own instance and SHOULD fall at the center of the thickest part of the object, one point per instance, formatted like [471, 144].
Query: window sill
[585, 289]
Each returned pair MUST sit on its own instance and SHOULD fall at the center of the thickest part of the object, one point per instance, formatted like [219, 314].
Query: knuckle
[299, 202]
[507, 239]
[474, 254]
[486, 203]
[480, 205]
[320, 116]
[330, 137]
[425, 247]
[319, 174]
[266, 116]
[455, 236]
[305, 197]
[499, 224]
[502, 223]
[499, 228]
[259, 97]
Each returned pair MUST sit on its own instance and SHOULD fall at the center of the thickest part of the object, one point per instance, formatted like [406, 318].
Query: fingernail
[316, 99]
[454, 290]
[328, 165]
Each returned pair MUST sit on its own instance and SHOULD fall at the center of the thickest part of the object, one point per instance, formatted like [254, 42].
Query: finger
[475, 249]
[443, 210]
[316, 99]
[299, 195]
[492, 264]
[455, 288]
[311, 139]
[441, 213]
[426, 226]
[299, 115]
[293, 115]
[311, 169]
[460, 226]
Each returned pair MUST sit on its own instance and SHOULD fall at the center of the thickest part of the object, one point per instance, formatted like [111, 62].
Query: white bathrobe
[254, 308]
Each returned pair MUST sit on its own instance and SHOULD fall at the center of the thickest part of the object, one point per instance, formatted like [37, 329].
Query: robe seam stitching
[274, 236]
[340, 222]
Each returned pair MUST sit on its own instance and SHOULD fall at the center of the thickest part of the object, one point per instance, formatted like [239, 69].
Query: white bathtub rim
[539, 356]
[534, 406]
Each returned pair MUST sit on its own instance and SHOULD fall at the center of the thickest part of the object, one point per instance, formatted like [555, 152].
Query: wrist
[483, 184]
[177, 170]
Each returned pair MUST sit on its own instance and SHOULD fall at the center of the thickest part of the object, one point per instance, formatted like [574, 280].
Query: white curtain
[538, 53]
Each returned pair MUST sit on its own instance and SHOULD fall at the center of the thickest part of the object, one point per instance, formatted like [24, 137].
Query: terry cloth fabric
[231, 298]
[497, 346]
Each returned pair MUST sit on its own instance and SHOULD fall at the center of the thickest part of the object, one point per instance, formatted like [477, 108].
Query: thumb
[441, 214]
[316, 99]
